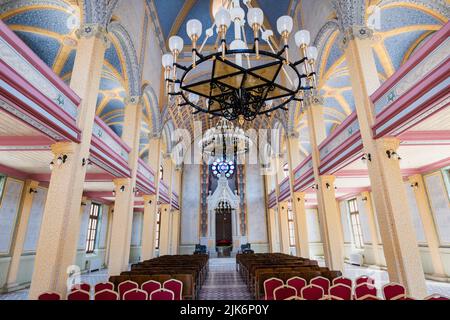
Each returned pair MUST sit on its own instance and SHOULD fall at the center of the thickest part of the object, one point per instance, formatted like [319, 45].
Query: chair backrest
[364, 279]
[364, 289]
[135, 294]
[82, 286]
[79, 295]
[340, 291]
[322, 282]
[46, 296]
[106, 295]
[176, 286]
[103, 286]
[368, 297]
[126, 286]
[296, 282]
[343, 280]
[436, 297]
[162, 294]
[284, 292]
[393, 290]
[312, 292]
[150, 286]
[269, 286]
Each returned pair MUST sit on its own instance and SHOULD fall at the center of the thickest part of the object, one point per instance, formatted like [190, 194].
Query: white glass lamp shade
[176, 87]
[312, 53]
[193, 98]
[194, 28]
[176, 43]
[255, 16]
[302, 38]
[285, 24]
[167, 60]
[222, 18]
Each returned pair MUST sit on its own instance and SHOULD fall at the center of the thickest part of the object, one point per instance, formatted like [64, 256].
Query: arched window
[158, 228]
[161, 172]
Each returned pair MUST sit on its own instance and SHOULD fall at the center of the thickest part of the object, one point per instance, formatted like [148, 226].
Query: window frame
[158, 229]
[355, 223]
[291, 226]
[92, 232]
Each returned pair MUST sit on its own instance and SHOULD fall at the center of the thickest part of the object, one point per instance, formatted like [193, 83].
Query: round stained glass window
[223, 168]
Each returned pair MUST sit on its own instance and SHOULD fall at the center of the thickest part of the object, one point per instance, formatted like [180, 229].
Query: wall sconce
[415, 185]
[122, 188]
[51, 165]
[298, 199]
[329, 186]
[315, 187]
[393, 155]
[149, 201]
[61, 159]
[366, 157]
[364, 199]
[86, 161]
[33, 190]
[83, 203]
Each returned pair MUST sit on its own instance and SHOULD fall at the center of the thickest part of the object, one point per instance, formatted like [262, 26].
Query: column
[175, 231]
[397, 232]
[429, 227]
[149, 225]
[61, 219]
[330, 222]
[301, 226]
[298, 206]
[25, 211]
[284, 227]
[124, 201]
[164, 230]
[372, 226]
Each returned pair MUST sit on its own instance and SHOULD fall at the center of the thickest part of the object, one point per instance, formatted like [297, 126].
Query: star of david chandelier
[238, 82]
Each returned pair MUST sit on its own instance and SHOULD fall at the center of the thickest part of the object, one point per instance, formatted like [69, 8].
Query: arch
[132, 73]
[151, 111]
[167, 134]
[98, 11]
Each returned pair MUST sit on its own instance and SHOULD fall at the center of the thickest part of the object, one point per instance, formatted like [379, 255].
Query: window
[291, 226]
[2, 184]
[158, 228]
[92, 229]
[356, 224]
[161, 173]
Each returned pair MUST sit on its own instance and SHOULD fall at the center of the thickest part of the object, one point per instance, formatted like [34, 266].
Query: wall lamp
[415, 185]
[33, 190]
[122, 189]
[329, 186]
[59, 161]
[85, 161]
[364, 199]
[315, 187]
[393, 155]
[366, 157]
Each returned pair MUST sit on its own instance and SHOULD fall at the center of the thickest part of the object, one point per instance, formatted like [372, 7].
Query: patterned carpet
[224, 282]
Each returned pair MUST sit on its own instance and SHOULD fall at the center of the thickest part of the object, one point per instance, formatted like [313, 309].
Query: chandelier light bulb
[302, 38]
[255, 16]
[176, 44]
[194, 29]
[167, 60]
[193, 98]
[312, 53]
[223, 18]
[285, 25]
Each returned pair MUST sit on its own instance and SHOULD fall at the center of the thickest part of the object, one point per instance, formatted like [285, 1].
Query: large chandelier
[225, 141]
[240, 82]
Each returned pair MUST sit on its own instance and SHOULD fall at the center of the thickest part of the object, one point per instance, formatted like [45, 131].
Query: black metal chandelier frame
[246, 102]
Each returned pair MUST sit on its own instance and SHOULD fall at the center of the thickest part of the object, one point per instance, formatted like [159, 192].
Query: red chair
[312, 292]
[393, 291]
[343, 280]
[368, 297]
[162, 294]
[284, 292]
[322, 282]
[103, 286]
[364, 279]
[436, 297]
[48, 296]
[269, 286]
[126, 286]
[364, 289]
[135, 294]
[340, 292]
[81, 286]
[176, 286]
[106, 295]
[297, 282]
[79, 295]
[151, 286]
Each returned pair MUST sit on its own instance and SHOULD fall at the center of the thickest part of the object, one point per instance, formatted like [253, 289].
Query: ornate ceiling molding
[98, 11]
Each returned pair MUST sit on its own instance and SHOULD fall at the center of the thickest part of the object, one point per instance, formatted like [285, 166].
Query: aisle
[224, 282]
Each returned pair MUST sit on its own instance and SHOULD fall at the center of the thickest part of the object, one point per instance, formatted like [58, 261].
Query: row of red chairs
[319, 288]
[128, 290]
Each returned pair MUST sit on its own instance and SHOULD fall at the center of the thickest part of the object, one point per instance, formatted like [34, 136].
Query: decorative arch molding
[322, 38]
[17, 4]
[350, 13]
[98, 11]
[155, 130]
[438, 6]
[117, 30]
[167, 134]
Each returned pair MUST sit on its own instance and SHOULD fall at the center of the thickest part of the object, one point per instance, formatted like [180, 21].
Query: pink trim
[111, 133]
[118, 163]
[434, 166]
[138, 209]
[24, 87]
[303, 163]
[417, 57]
[145, 165]
[25, 141]
[13, 172]
[429, 135]
[15, 42]
[344, 125]
[99, 194]
[355, 139]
